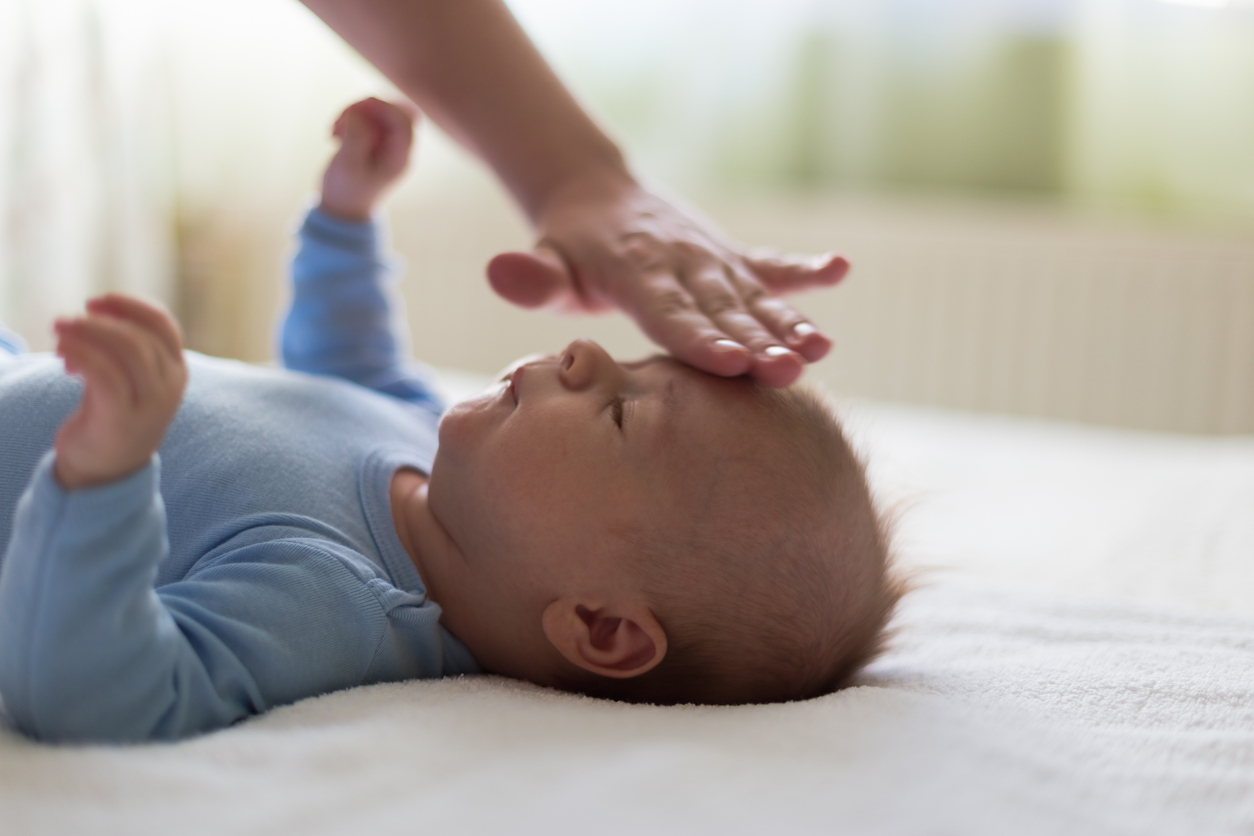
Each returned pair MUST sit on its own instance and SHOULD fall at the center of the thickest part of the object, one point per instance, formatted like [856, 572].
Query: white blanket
[1004, 707]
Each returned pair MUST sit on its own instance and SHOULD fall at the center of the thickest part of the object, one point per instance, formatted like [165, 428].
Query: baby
[191, 541]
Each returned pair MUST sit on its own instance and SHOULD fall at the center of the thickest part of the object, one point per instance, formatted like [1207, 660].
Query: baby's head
[648, 532]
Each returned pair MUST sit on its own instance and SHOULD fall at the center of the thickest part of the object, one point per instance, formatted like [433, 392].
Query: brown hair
[777, 594]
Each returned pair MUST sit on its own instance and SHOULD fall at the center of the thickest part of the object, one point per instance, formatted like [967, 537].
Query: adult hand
[691, 290]
[605, 242]
[129, 354]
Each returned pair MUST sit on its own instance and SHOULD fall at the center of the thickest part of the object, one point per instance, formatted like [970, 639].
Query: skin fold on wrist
[344, 213]
[604, 182]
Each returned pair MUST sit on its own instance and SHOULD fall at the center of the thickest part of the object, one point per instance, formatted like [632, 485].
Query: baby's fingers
[394, 117]
[358, 137]
[100, 372]
[133, 351]
[147, 316]
[394, 135]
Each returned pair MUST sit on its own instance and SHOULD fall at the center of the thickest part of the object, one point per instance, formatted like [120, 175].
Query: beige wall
[1003, 307]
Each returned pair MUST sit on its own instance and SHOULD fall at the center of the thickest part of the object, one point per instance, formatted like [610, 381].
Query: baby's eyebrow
[670, 402]
[657, 422]
[669, 399]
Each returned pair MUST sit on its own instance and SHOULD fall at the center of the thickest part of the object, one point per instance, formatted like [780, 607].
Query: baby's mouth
[512, 373]
[508, 371]
[513, 384]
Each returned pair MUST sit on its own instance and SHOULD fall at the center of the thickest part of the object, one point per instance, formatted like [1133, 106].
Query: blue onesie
[254, 561]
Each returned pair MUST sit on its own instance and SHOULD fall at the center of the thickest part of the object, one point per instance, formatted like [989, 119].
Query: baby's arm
[90, 530]
[342, 321]
[130, 356]
[89, 649]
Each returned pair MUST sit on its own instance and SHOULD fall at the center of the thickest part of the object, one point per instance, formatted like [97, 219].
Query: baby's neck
[487, 625]
[410, 516]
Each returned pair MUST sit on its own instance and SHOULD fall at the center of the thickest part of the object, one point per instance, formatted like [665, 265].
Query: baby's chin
[465, 422]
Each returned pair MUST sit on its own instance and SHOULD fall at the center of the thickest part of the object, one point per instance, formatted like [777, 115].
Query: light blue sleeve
[342, 321]
[89, 650]
[10, 343]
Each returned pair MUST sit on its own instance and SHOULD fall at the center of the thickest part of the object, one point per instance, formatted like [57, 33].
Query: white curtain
[86, 197]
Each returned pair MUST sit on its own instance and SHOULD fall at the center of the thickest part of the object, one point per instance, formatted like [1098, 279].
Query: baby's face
[536, 474]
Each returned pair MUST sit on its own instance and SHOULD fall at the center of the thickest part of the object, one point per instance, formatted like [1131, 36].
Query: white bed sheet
[1109, 514]
[1083, 662]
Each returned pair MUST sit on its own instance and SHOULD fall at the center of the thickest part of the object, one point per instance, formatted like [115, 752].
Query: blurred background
[1049, 204]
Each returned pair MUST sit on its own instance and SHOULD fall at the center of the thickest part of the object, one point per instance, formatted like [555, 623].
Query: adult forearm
[471, 68]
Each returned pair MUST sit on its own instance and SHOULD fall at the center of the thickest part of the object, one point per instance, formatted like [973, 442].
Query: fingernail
[804, 329]
[730, 345]
[776, 351]
[821, 261]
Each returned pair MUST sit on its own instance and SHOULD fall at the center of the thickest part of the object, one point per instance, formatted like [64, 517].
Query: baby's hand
[130, 356]
[375, 138]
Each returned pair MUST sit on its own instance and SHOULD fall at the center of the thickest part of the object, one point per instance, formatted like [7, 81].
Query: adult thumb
[530, 280]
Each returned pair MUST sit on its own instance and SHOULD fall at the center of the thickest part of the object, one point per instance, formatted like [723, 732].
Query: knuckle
[752, 293]
[751, 333]
[774, 309]
[758, 343]
[720, 304]
[758, 339]
[689, 250]
[642, 250]
[671, 302]
[742, 326]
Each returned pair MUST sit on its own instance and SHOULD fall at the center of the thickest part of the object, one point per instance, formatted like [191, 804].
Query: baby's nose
[583, 363]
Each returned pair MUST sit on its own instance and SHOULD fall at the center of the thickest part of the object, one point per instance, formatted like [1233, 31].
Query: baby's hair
[783, 587]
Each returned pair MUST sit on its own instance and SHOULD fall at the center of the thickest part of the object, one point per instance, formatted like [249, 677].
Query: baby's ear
[616, 639]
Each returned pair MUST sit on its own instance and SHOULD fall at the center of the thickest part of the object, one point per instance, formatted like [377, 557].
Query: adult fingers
[669, 315]
[785, 274]
[791, 328]
[531, 280]
[773, 361]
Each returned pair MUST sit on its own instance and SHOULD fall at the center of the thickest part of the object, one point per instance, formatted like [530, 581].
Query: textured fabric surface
[1007, 704]
[998, 713]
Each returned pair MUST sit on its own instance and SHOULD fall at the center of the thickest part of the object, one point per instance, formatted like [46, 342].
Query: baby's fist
[130, 356]
[375, 138]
